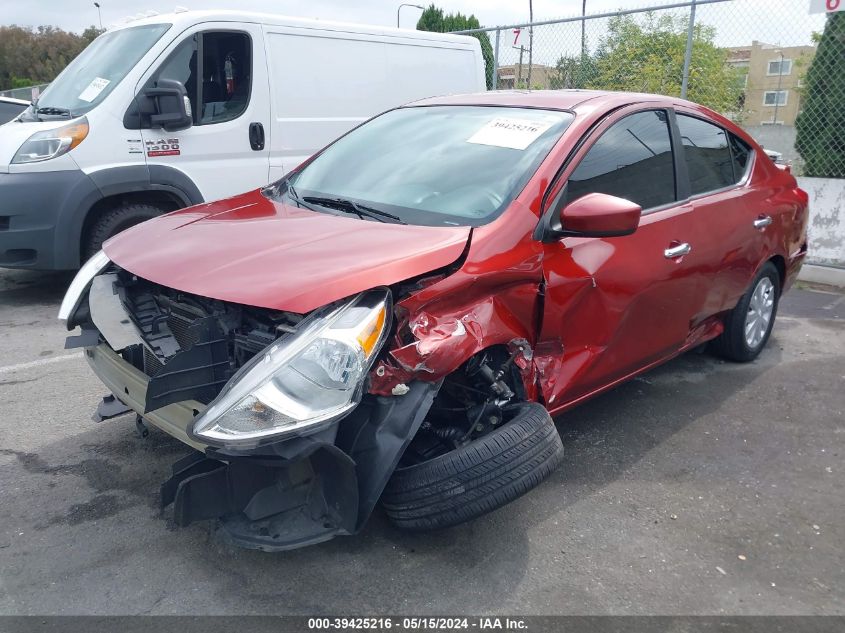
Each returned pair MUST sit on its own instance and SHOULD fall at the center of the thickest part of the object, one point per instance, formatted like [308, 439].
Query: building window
[775, 97]
[780, 67]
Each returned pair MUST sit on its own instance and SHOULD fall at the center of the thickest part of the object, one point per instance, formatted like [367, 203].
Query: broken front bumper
[295, 492]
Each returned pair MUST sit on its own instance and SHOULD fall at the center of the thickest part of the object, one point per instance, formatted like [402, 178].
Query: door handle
[256, 136]
[677, 251]
[762, 221]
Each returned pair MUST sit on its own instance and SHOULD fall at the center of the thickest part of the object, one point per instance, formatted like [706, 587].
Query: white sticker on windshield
[94, 88]
[508, 132]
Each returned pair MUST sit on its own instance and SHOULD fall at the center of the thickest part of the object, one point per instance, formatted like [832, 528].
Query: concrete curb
[823, 275]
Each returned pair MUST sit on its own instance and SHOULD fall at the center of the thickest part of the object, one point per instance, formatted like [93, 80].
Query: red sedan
[397, 318]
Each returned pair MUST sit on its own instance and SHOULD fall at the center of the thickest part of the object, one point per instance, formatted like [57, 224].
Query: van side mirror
[599, 215]
[172, 106]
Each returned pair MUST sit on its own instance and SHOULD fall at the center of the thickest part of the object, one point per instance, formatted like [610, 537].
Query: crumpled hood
[254, 251]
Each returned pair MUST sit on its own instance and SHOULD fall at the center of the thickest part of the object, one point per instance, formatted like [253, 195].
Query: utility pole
[780, 83]
[530, 40]
[583, 44]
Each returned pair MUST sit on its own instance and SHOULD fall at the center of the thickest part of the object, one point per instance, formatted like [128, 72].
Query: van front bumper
[41, 215]
[296, 492]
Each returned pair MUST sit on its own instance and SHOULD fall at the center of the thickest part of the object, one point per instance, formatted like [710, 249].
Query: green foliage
[649, 57]
[573, 72]
[820, 128]
[37, 55]
[433, 19]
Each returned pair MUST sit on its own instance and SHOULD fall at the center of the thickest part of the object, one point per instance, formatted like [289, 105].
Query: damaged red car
[397, 319]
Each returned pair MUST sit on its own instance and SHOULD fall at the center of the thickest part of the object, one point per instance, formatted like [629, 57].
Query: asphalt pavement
[702, 487]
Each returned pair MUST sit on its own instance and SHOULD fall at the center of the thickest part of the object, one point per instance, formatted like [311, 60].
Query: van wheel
[113, 222]
[476, 478]
[749, 324]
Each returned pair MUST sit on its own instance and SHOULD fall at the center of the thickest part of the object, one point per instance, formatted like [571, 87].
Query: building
[772, 81]
[516, 76]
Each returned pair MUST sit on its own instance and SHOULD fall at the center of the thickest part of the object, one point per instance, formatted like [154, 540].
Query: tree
[572, 72]
[32, 56]
[649, 57]
[433, 19]
[820, 128]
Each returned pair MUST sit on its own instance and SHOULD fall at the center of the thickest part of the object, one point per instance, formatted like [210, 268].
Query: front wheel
[749, 324]
[113, 222]
[478, 477]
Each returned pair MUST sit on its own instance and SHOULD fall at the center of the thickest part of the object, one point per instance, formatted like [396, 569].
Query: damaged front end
[290, 448]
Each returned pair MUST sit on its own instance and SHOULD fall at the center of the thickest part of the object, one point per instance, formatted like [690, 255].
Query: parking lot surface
[702, 487]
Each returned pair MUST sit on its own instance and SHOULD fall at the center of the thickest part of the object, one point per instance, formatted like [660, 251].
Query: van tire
[113, 222]
[732, 344]
[477, 478]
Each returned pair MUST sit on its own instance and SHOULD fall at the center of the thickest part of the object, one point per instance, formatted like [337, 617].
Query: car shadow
[33, 287]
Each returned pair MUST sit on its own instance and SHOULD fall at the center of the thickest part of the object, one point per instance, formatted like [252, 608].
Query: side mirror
[599, 215]
[172, 106]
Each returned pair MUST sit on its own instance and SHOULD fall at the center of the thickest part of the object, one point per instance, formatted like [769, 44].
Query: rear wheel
[749, 325]
[113, 222]
[477, 477]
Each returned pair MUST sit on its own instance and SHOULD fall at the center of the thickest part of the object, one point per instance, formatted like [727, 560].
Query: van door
[223, 68]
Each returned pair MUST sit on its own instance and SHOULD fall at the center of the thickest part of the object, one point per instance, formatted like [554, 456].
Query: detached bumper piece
[303, 490]
[267, 504]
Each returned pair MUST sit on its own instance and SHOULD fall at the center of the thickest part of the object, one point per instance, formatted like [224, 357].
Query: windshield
[435, 165]
[90, 77]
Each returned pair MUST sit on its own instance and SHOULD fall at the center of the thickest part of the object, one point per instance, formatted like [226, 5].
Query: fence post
[688, 54]
[495, 82]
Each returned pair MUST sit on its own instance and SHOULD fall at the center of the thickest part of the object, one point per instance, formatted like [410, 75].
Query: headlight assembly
[52, 143]
[80, 283]
[304, 383]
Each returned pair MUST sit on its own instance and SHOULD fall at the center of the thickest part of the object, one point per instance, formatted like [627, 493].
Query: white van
[174, 110]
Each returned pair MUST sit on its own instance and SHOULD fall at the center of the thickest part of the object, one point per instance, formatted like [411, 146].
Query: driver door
[223, 69]
[617, 305]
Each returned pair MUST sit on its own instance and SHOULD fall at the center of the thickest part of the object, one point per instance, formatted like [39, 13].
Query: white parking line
[8, 369]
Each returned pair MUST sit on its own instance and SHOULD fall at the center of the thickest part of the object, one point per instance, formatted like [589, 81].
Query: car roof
[552, 99]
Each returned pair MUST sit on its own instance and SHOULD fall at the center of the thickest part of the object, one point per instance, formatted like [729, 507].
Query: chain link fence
[765, 64]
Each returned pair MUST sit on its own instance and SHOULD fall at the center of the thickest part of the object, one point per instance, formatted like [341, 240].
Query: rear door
[223, 68]
[619, 304]
[732, 215]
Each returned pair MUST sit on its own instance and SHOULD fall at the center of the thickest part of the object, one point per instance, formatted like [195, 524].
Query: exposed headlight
[52, 143]
[303, 383]
[79, 285]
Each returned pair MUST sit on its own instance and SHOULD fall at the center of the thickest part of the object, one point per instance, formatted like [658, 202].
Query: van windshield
[433, 165]
[89, 78]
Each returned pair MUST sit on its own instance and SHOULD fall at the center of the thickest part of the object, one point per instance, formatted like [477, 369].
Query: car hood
[255, 251]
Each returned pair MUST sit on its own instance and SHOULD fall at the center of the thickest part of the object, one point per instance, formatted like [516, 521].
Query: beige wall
[756, 59]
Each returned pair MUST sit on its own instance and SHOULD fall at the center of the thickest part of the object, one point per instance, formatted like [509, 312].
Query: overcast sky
[737, 22]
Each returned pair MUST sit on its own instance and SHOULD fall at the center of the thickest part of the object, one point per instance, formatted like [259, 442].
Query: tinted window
[223, 90]
[632, 160]
[740, 152]
[707, 155]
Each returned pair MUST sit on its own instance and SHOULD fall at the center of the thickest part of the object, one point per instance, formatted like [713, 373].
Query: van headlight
[52, 143]
[79, 285]
[304, 383]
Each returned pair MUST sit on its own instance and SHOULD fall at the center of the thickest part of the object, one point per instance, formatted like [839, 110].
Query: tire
[477, 478]
[113, 222]
[733, 344]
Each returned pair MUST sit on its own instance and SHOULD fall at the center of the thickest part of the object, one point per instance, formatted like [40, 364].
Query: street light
[780, 83]
[406, 5]
[99, 16]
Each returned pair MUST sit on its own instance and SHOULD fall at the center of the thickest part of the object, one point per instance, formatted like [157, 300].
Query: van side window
[707, 155]
[221, 83]
[631, 160]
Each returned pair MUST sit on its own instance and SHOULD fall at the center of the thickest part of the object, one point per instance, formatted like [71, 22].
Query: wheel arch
[158, 185]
